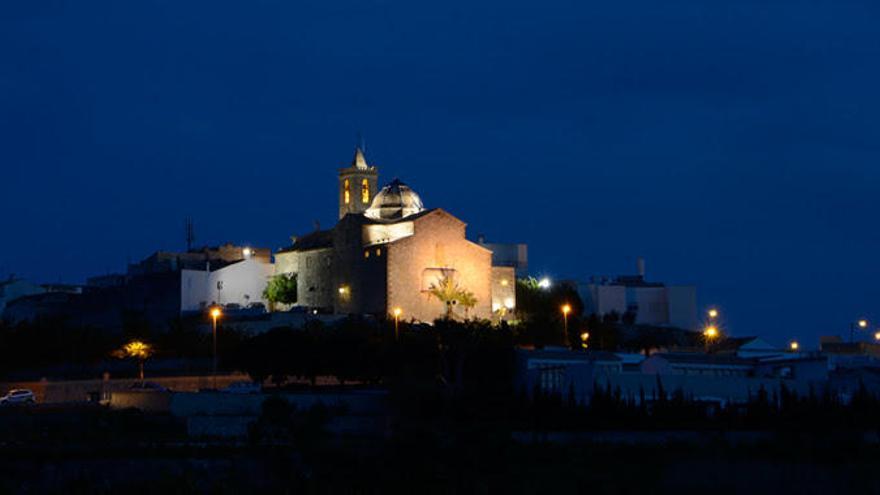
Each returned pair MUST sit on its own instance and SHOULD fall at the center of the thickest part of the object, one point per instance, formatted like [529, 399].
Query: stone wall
[360, 275]
[314, 283]
[286, 262]
[438, 243]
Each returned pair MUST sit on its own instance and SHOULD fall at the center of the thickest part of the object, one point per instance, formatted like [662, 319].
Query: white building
[241, 283]
[651, 303]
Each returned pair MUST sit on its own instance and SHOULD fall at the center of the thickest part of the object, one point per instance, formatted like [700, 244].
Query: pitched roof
[359, 161]
[316, 240]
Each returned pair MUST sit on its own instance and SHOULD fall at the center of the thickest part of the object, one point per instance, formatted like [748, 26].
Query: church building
[387, 251]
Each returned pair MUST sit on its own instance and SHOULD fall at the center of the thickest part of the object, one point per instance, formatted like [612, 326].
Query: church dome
[394, 201]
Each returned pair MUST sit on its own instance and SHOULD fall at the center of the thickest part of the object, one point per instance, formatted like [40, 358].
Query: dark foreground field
[96, 451]
[455, 469]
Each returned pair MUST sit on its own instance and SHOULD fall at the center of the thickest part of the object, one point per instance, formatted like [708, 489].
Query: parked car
[233, 307]
[243, 387]
[147, 387]
[257, 306]
[18, 396]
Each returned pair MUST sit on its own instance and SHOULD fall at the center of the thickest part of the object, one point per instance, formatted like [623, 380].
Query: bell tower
[357, 185]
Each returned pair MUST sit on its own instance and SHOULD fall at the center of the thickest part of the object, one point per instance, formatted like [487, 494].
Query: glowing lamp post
[794, 346]
[566, 309]
[710, 334]
[215, 314]
[396, 312]
[713, 314]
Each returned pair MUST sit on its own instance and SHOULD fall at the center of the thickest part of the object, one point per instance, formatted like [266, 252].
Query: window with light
[365, 191]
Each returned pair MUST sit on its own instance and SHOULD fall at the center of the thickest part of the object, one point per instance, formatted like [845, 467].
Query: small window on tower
[365, 191]
[378, 251]
[367, 253]
[346, 192]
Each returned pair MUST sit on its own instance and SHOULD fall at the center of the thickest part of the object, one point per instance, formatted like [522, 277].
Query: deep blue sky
[735, 145]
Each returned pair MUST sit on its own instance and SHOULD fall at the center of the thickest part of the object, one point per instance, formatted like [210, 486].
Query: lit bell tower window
[365, 191]
[346, 192]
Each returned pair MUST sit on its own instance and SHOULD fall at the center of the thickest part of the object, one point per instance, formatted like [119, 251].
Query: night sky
[734, 145]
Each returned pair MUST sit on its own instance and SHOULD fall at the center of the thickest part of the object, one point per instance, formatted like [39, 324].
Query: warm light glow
[508, 303]
[711, 332]
[877, 336]
[585, 336]
[347, 192]
[137, 349]
[794, 345]
[397, 312]
[247, 252]
[504, 282]
[863, 323]
[544, 283]
[713, 313]
[216, 313]
[343, 290]
[365, 191]
[566, 309]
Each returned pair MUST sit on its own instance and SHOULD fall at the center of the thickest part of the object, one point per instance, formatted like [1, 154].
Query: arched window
[365, 191]
[346, 192]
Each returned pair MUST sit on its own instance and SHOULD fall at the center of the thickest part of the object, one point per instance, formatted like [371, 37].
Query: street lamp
[544, 283]
[877, 336]
[215, 313]
[713, 313]
[711, 332]
[862, 324]
[396, 312]
[794, 346]
[566, 309]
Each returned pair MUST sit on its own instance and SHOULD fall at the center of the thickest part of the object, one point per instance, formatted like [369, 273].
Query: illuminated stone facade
[388, 255]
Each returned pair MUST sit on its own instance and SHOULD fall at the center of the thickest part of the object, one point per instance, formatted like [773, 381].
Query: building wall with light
[438, 245]
[240, 283]
[503, 292]
[386, 254]
[361, 274]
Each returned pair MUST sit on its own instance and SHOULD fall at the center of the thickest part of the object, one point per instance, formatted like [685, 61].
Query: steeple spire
[359, 161]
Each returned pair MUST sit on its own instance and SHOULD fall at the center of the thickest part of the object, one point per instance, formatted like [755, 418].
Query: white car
[19, 396]
[243, 387]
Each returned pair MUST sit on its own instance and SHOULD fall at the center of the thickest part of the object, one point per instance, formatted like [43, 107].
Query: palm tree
[451, 294]
[137, 350]
[468, 300]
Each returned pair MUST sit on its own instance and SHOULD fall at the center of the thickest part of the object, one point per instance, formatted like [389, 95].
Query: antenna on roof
[190, 233]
